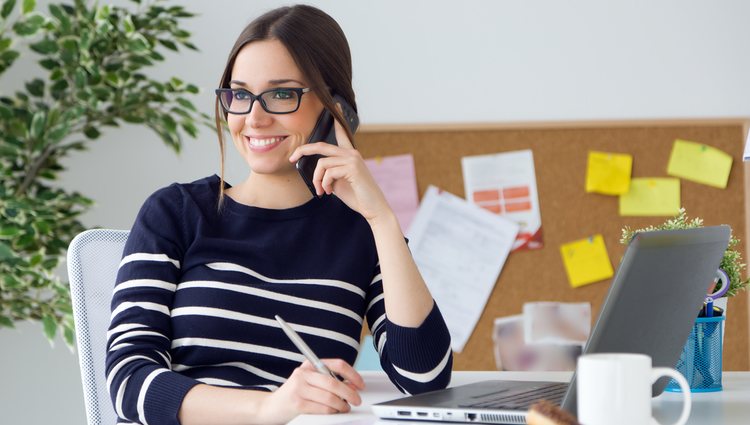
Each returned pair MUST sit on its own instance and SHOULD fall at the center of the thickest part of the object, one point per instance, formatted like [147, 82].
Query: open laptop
[656, 294]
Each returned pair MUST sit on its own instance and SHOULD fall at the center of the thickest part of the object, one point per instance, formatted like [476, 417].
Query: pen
[305, 349]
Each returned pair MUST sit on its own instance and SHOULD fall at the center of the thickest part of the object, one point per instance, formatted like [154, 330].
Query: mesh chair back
[93, 260]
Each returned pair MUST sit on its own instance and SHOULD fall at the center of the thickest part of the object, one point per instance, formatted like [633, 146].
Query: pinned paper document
[505, 184]
[699, 163]
[608, 173]
[586, 261]
[746, 155]
[460, 249]
[396, 177]
[651, 197]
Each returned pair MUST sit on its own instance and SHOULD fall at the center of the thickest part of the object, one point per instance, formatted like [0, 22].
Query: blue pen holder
[700, 361]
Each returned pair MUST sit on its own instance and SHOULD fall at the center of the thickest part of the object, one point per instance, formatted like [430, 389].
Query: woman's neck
[271, 191]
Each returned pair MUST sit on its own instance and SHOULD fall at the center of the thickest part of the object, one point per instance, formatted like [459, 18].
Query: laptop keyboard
[518, 398]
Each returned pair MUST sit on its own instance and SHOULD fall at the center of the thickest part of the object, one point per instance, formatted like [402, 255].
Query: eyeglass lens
[240, 101]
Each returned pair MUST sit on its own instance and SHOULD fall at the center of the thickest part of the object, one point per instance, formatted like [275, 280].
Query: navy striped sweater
[197, 291]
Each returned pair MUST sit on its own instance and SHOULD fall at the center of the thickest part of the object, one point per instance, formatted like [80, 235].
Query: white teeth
[264, 142]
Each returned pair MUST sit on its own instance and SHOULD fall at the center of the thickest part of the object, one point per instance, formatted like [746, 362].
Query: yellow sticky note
[699, 163]
[608, 173]
[586, 261]
[651, 197]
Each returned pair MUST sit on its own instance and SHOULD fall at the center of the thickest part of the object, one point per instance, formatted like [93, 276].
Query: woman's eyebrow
[270, 82]
[284, 81]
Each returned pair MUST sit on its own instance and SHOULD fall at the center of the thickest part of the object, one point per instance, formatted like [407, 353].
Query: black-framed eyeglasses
[275, 101]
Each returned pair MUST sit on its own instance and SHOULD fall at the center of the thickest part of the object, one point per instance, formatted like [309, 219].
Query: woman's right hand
[309, 391]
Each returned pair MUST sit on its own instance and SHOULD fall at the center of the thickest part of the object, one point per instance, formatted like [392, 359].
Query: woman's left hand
[343, 171]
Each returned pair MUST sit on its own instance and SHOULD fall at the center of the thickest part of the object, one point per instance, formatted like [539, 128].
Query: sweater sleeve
[139, 378]
[417, 359]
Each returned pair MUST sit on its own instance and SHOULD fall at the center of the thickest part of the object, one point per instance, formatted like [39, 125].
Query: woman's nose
[258, 117]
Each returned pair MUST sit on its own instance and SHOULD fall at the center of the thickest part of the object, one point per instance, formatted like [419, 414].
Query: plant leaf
[6, 253]
[37, 125]
[8, 6]
[28, 6]
[91, 132]
[50, 326]
[35, 87]
[6, 322]
[44, 47]
[70, 336]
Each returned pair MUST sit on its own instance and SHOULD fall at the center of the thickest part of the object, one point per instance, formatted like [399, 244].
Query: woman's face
[265, 140]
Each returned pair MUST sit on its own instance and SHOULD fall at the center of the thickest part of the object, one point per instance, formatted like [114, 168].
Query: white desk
[728, 407]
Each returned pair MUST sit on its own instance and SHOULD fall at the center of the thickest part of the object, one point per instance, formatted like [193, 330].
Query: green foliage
[95, 57]
[731, 263]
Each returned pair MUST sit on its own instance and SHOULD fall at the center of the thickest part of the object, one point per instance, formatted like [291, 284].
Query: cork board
[568, 213]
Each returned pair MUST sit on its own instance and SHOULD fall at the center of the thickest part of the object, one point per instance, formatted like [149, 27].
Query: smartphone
[325, 131]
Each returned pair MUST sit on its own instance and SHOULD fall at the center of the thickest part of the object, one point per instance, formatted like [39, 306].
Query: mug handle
[658, 372]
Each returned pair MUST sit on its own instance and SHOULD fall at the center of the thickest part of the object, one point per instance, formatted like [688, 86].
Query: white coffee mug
[615, 389]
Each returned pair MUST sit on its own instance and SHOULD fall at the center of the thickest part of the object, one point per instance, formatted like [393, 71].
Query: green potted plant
[731, 263]
[701, 358]
[94, 58]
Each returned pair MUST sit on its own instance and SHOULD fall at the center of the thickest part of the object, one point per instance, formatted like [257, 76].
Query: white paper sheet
[459, 249]
[505, 184]
[746, 155]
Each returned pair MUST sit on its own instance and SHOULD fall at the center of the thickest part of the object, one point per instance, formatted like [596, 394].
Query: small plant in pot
[731, 263]
[701, 358]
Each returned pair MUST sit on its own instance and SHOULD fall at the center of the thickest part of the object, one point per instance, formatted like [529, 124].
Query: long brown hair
[318, 46]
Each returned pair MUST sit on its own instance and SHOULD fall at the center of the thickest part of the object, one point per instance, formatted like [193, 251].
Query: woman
[193, 338]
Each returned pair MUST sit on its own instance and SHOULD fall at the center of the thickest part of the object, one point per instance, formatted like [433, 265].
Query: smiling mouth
[264, 144]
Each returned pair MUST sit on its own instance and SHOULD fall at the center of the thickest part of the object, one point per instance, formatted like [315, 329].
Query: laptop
[650, 308]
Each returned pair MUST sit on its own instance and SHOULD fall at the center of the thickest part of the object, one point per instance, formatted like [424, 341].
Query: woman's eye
[241, 95]
[283, 94]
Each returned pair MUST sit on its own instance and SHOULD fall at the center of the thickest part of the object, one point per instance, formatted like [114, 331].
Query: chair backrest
[93, 260]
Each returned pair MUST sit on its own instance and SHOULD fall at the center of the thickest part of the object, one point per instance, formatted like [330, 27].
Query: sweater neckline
[303, 210]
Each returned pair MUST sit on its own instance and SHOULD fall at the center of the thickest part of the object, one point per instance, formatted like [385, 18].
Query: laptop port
[403, 413]
[421, 413]
[471, 417]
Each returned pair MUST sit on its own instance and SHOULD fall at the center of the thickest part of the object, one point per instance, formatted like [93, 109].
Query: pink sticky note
[396, 177]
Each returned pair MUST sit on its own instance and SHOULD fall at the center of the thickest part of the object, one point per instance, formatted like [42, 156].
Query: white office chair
[93, 259]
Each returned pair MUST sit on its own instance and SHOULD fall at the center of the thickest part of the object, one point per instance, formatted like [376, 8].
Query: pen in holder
[701, 358]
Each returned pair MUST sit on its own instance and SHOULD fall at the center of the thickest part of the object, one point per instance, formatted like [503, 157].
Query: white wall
[415, 62]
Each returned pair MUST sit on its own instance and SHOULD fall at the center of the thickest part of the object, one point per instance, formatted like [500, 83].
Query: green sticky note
[651, 197]
[608, 173]
[699, 163]
[586, 261]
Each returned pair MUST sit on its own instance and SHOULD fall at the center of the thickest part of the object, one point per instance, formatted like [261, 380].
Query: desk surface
[728, 407]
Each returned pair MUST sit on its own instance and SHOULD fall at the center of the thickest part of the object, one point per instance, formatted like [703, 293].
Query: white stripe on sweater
[131, 334]
[217, 381]
[374, 300]
[119, 397]
[377, 323]
[247, 318]
[244, 366]
[238, 346]
[124, 327]
[145, 283]
[161, 308]
[113, 373]
[270, 295]
[144, 390]
[323, 282]
[426, 376]
[143, 256]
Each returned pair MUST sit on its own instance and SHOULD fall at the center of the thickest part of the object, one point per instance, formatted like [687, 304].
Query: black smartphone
[325, 131]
